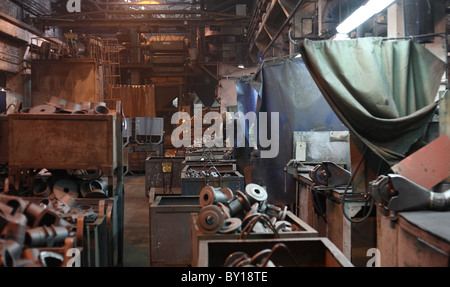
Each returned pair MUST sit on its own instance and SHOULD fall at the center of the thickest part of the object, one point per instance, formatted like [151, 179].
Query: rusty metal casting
[330, 174]
[42, 109]
[210, 195]
[47, 236]
[398, 194]
[255, 193]
[210, 219]
[231, 225]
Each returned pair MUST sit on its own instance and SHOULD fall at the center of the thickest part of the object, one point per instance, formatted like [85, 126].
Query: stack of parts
[260, 259]
[224, 211]
[31, 233]
[70, 185]
[57, 105]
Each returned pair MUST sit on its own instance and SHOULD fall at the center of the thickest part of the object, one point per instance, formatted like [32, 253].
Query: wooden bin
[170, 234]
[301, 230]
[308, 252]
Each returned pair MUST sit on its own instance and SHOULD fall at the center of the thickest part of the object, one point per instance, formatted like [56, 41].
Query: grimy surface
[136, 249]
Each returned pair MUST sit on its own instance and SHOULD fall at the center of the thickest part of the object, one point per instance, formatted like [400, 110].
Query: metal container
[163, 173]
[221, 165]
[75, 141]
[193, 185]
[3, 139]
[301, 229]
[206, 154]
[170, 233]
[308, 252]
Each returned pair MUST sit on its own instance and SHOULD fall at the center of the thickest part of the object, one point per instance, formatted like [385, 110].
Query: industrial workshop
[224, 133]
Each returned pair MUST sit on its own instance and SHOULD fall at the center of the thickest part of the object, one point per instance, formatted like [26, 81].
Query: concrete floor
[136, 249]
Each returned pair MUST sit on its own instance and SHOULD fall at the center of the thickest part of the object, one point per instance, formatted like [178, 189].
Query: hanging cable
[346, 189]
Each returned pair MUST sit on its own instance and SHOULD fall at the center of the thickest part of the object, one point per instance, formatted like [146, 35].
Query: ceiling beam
[147, 22]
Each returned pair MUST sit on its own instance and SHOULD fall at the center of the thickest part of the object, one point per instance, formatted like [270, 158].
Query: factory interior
[224, 133]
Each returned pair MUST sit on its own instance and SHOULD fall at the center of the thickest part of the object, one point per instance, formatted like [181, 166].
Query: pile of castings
[203, 173]
[263, 258]
[57, 105]
[227, 212]
[76, 187]
[32, 233]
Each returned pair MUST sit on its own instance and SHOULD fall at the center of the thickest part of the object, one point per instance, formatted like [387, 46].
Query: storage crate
[163, 173]
[63, 141]
[301, 229]
[170, 233]
[75, 141]
[193, 185]
[308, 252]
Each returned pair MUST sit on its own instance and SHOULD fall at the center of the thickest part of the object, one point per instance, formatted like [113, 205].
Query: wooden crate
[302, 230]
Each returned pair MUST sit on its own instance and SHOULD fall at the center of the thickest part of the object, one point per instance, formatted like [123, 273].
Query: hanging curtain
[285, 87]
[383, 91]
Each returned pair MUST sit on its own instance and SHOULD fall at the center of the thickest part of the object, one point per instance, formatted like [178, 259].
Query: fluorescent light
[146, 2]
[362, 14]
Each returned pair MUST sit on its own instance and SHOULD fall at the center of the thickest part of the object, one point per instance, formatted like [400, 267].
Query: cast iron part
[46, 236]
[231, 225]
[255, 193]
[210, 219]
[330, 174]
[239, 203]
[15, 228]
[210, 195]
[10, 252]
[398, 194]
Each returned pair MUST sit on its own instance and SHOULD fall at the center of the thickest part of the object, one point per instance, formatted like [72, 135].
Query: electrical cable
[346, 189]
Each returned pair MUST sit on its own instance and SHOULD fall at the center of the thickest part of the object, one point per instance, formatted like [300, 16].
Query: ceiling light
[147, 2]
[362, 14]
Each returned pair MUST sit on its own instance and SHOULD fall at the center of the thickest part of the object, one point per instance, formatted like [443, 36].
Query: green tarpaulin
[383, 91]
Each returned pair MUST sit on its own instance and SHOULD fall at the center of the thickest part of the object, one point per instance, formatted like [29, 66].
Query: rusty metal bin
[301, 229]
[3, 139]
[163, 173]
[170, 233]
[308, 252]
[193, 185]
[220, 165]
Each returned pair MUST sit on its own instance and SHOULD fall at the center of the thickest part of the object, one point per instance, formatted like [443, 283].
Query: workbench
[322, 209]
[413, 238]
